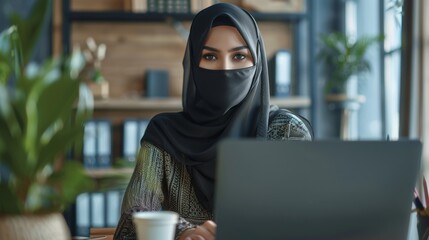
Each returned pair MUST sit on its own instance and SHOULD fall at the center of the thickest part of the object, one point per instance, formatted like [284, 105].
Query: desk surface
[107, 233]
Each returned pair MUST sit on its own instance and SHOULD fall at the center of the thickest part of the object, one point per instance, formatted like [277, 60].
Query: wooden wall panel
[276, 36]
[132, 48]
[97, 5]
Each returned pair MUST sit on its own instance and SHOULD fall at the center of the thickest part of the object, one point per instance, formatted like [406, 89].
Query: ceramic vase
[50, 226]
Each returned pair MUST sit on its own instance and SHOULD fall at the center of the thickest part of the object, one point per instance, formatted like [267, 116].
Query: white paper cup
[157, 225]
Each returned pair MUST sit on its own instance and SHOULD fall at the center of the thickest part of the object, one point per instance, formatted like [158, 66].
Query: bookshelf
[124, 32]
[144, 108]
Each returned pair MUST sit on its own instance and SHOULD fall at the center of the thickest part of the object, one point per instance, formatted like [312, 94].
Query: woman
[225, 95]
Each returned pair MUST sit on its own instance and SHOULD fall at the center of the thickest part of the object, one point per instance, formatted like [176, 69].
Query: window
[392, 64]
[370, 124]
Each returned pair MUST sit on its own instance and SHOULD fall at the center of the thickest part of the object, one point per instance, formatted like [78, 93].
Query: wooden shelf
[139, 104]
[122, 16]
[106, 172]
[175, 104]
[345, 98]
[292, 102]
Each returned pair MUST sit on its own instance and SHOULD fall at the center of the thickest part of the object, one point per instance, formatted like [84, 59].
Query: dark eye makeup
[209, 57]
[240, 56]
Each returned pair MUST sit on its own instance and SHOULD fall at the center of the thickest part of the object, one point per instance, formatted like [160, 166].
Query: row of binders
[98, 209]
[167, 6]
[102, 209]
[97, 141]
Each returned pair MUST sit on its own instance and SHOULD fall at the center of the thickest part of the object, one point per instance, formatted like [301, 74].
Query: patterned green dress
[159, 182]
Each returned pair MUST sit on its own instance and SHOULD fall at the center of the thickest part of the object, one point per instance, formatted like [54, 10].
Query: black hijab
[191, 136]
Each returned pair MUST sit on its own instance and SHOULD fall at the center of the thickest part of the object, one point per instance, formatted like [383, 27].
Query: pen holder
[423, 225]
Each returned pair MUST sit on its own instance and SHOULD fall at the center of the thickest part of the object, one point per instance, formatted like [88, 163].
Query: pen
[417, 201]
[425, 191]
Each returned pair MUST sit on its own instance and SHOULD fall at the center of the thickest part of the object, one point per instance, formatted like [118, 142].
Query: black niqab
[191, 136]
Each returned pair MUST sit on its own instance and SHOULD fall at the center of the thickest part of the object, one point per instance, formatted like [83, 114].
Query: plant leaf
[10, 202]
[59, 143]
[54, 103]
[10, 53]
[70, 181]
[29, 28]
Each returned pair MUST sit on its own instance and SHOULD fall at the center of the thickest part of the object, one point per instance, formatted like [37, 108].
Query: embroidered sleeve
[143, 192]
[287, 126]
[183, 225]
[159, 183]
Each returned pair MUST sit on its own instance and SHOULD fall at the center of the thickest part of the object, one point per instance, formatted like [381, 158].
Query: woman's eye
[239, 57]
[209, 57]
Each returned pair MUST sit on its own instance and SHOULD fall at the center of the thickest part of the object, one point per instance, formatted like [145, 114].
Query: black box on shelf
[280, 72]
[156, 83]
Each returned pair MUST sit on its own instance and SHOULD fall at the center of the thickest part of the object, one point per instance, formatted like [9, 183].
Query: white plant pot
[34, 227]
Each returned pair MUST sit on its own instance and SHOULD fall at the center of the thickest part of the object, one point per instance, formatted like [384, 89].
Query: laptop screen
[315, 190]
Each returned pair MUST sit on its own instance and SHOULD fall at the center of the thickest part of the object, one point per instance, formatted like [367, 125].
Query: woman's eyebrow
[231, 50]
[211, 49]
[238, 48]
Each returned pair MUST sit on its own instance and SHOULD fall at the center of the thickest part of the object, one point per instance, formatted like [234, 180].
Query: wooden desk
[108, 232]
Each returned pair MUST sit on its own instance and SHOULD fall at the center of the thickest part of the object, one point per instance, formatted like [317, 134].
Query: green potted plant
[344, 58]
[42, 114]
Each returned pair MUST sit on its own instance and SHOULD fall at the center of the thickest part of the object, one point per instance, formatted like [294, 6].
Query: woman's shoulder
[286, 125]
[148, 146]
[153, 149]
[153, 155]
[166, 116]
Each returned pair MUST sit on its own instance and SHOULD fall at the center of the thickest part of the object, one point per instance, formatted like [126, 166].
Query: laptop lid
[315, 190]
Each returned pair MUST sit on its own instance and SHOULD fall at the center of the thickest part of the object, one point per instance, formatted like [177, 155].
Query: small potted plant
[94, 54]
[344, 58]
[42, 114]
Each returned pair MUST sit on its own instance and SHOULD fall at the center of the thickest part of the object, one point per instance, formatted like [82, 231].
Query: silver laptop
[315, 190]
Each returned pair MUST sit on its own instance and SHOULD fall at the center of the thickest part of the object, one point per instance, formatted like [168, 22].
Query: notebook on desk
[315, 190]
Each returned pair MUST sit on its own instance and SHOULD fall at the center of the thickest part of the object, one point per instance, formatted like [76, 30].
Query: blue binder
[83, 219]
[90, 144]
[97, 144]
[134, 130]
[104, 143]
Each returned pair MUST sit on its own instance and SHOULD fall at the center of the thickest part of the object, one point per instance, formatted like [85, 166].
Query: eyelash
[209, 57]
[240, 57]
[212, 57]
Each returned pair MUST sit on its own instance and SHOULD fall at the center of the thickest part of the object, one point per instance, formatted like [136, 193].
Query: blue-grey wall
[328, 16]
